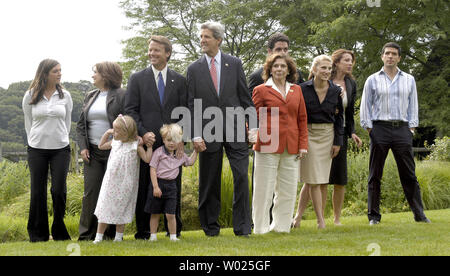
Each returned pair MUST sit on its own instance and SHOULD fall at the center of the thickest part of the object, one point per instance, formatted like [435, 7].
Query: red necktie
[213, 72]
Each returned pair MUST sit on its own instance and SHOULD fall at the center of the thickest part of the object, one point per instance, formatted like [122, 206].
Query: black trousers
[142, 217]
[210, 190]
[39, 161]
[93, 177]
[399, 139]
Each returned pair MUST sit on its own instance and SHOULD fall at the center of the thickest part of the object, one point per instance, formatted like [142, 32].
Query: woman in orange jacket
[282, 140]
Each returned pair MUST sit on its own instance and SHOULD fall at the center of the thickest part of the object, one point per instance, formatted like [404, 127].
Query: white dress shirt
[163, 73]
[47, 123]
[287, 90]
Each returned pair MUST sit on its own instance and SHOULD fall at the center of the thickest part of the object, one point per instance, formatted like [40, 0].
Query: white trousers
[275, 174]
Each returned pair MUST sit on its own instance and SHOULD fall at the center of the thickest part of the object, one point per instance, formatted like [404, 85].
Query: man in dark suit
[217, 81]
[152, 95]
[277, 43]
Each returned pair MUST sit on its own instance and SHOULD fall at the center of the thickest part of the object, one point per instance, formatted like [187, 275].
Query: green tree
[421, 27]
[315, 27]
[433, 88]
[248, 24]
[12, 129]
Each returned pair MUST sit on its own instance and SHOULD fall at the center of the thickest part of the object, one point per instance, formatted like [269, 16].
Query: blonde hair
[316, 62]
[128, 124]
[173, 132]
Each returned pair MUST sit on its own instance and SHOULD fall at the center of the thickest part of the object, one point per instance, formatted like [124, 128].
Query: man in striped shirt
[389, 112]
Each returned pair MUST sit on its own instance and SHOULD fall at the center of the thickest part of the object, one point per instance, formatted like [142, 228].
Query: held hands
[301, 154]
[149, 139]
[199, 145]
[252, 136]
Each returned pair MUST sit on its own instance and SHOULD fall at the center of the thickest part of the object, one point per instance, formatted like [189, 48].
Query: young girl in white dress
[117, 200]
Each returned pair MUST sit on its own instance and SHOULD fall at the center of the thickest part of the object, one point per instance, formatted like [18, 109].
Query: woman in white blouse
[47, 111]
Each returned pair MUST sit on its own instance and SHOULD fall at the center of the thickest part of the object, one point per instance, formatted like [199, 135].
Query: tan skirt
[315, 167]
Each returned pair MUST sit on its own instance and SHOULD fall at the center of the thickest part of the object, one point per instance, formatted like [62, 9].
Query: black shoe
[373, 222]
[215, 234]
[144, 236]
[425, 220]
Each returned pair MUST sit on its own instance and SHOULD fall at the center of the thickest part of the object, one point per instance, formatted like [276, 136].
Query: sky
[76, 33]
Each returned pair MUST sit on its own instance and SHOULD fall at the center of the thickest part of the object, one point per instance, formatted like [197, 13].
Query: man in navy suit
[277, 43]
[152, 95]
[217, 81]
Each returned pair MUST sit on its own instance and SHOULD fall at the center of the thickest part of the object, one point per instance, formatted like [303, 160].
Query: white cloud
[77, 33]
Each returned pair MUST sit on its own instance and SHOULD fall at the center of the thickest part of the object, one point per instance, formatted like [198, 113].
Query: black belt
[391, 123]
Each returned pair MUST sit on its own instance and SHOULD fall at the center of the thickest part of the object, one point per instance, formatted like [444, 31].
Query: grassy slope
[397, 234]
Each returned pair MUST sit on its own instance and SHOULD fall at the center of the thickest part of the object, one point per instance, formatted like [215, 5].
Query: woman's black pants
[39, 161]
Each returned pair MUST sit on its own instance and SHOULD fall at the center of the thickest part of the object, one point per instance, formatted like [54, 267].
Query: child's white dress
[117, 200]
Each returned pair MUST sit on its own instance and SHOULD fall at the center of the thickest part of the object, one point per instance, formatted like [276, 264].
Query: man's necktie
[214, 74]
[161, 87]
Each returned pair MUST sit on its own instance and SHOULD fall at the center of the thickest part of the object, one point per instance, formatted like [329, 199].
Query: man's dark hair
[275, 38]
[392, 45]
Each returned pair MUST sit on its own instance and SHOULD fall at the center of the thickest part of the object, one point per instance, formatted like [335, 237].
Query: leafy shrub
[189, 198]
[190, 190]
[440, 151]
[14, 181]
[433, 178]
[13, 229]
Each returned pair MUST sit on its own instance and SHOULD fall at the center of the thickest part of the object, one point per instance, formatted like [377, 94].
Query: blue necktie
[161, 87]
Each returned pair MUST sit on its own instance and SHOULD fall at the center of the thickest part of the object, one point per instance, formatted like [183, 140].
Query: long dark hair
[39, 84]
[336, 57]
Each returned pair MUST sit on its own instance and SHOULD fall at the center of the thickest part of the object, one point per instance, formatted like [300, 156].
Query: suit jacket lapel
[224, 72]
[289, 94]
[275, 93]
[153, 89]
[90, 102]
[110, 97]
[170, 82]
[348, 85]
[279, 96]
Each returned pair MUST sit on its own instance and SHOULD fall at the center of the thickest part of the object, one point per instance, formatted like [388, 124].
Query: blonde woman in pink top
[164, 169]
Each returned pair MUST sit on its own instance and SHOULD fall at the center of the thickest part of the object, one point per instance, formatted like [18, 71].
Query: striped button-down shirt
[389, 100]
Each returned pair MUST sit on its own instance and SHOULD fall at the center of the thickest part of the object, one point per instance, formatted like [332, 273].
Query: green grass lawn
[397, 234]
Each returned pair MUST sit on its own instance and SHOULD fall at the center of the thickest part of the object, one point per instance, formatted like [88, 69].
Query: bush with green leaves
[14, 181]
[440, 151]
[433, 176]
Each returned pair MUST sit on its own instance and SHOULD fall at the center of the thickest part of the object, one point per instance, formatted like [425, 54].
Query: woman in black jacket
[341, 75]
[101, 107]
